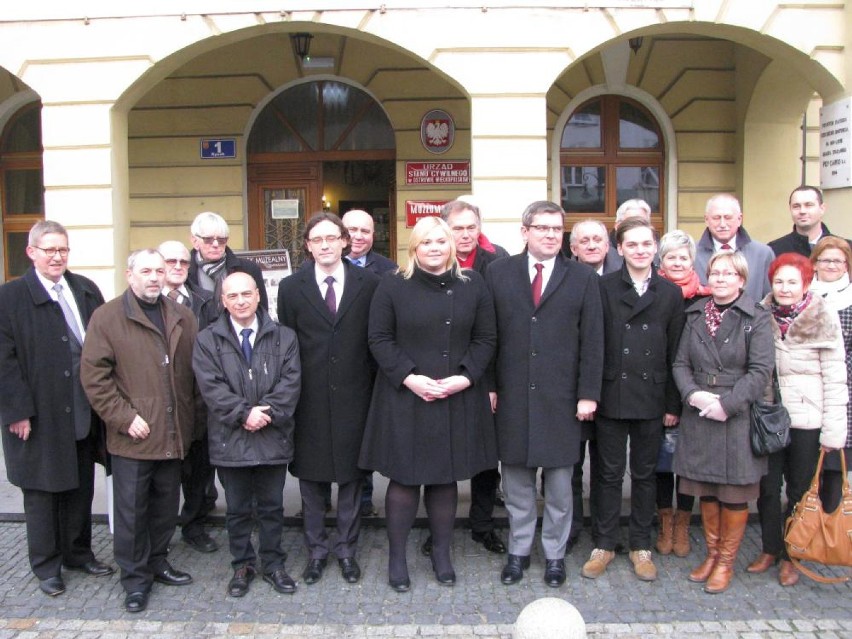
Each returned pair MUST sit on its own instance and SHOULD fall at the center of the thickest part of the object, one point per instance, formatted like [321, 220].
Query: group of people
[461, 362]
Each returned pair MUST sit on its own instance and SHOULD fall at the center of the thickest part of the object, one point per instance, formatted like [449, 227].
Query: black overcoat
[642, 334]
[736, 365]
[438, 326]
[36, 381]
[547, 359]
[337, 372]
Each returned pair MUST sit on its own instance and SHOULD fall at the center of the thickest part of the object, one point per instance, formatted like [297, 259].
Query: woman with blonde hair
[432, 331]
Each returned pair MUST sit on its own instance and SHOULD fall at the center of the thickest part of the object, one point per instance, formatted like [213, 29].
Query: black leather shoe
[172, 577]
[281, 581]
[239, 584]
[400, 585]
[490, 540]
[554, 573]
[94, 568]
[313, 571]
[426, 548]
[52, 586]
[513, 571]
[445, 578]
[349, 569]
[201, 543]
[136, 601]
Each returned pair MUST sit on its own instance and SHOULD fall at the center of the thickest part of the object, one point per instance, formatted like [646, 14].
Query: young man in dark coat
[50, 434]
[643, 320]
[548, 380]
[327, 304]
[807, 209]
[248, 370]
[211, 261]
[198, 478]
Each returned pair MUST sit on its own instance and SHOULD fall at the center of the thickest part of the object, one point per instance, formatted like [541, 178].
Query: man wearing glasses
[548, 379]
[197, 475]
[327, 303]
[807, 209]
[211, 261]
[50, 434]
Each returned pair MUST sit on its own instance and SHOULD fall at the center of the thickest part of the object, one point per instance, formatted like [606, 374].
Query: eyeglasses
[542, 229]
[828, 262]
[212, 238]
[725, 274]
[174, 262]
[51, 252]
[328, 239]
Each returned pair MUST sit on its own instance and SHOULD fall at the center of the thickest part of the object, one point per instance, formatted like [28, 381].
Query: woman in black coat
[433, 334]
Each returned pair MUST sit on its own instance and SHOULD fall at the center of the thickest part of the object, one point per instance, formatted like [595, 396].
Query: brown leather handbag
[811, 534]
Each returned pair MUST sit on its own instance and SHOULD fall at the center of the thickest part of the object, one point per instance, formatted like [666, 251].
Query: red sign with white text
[415, 209]
[437, 172]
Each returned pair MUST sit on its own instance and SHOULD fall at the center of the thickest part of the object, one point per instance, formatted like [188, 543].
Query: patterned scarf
[713, 317]
[216, 272]
[785, 315]
[690, 285]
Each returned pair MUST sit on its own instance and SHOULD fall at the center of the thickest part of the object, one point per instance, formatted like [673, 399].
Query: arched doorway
[21, 185]
[319, 145]
[611, 151]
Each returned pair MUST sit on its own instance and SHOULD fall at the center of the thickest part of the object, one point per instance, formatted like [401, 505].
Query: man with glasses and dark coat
[211, 261]
[51, 436]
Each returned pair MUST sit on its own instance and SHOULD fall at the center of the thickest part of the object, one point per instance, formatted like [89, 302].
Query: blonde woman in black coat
[432, 332]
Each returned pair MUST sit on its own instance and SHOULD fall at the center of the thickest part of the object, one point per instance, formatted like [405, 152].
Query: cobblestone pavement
[615, 605]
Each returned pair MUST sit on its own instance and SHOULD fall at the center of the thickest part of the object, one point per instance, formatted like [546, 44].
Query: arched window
[611, 151]
[21, 185]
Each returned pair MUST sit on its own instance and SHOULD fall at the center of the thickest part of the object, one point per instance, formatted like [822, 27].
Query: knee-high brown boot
[732, 532]
[711, 513]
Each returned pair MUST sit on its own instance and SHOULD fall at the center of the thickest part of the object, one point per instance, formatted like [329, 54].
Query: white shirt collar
[239, 327]
[338, 274]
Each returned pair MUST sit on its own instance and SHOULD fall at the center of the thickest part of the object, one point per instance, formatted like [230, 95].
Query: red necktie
[536, 284]
[726, 247]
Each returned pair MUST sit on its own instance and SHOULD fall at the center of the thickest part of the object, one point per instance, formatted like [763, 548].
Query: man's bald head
[240, 297]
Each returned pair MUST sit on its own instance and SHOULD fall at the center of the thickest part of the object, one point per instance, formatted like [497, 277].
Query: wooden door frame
[307, 175]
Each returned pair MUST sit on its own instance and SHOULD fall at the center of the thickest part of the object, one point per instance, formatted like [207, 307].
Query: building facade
[125, 120]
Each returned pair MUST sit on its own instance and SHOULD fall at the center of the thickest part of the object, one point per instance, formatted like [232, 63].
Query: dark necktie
[536, 284]
[330, 296]
[173, 294]
[726, 247]
[70, 320]
[246, 344]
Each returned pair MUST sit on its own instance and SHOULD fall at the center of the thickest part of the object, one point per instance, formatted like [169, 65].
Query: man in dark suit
[50, 434]
[807, 209]
[643, 320]
[212, 261]
[197, 474]
[361, 228]
[548, 379]
[327, 304]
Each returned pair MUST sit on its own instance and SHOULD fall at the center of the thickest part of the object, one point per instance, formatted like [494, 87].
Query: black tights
[665, 488]
[401, 504]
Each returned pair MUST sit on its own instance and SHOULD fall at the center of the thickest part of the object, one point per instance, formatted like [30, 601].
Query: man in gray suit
[548, 380]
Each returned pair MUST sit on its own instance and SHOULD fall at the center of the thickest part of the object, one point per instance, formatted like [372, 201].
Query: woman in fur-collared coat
[809, 357]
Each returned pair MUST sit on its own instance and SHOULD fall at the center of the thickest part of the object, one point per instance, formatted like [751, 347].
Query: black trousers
[612, 438]
[483, 490]
[255, 493]
[795, 465]
[348, 518]
[59, 525]
[196, 476]
[577, 516]
[146, 494]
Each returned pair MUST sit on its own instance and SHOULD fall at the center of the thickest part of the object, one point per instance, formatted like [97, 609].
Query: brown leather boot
[731, 535]
[680, 536]
[787, 573]
[711, 513]
[764, 562]
[664, 536]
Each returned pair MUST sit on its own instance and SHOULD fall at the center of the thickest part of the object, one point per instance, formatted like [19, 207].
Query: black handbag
[769, 428]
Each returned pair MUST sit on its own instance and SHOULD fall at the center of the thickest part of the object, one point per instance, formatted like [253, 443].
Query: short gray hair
[209, 219]
[457, 206]
[131, 259]
[632, 204]
[541, 206]
[45, 227]
[722, 199]
[677, 239]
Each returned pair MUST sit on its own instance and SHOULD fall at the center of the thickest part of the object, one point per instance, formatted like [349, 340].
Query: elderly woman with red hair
[809, 358]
